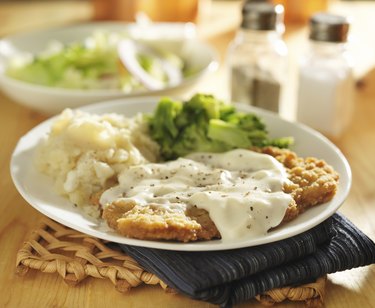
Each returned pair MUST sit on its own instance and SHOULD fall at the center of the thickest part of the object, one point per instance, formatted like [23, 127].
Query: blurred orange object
[156, 10]
[300, 11]
[170, 10]
[114, 9]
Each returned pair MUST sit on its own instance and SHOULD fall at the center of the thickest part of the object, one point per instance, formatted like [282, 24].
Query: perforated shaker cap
[326, 27]
[261, 16]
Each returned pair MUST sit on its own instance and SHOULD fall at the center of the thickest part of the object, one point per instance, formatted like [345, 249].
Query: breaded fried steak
[152, 223]
[308, 182]
[314, 181]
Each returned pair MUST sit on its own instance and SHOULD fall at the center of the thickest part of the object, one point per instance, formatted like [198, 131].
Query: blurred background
[216, 22]
[211, 16]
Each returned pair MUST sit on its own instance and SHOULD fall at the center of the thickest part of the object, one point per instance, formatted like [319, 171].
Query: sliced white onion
[128, 51]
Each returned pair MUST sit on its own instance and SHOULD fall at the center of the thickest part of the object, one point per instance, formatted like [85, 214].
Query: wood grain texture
[354, 288]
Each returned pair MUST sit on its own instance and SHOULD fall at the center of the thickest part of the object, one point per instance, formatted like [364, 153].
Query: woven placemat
[54, 248]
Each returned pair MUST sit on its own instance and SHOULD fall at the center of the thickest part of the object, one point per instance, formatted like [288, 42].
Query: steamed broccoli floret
[194, 139]
[206, 124]
[163, 122]
[206, 104]
[228, 133]
[282, 143]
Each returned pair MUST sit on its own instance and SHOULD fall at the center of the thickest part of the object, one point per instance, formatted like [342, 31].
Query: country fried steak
[313, 182]
[152, 223]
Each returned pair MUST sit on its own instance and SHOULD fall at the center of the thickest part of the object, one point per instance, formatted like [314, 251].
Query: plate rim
[193, 246]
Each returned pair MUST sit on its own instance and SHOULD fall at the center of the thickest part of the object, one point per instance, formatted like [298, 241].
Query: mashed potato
[84, 153]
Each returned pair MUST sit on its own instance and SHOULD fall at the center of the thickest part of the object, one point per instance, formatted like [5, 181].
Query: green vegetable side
[89, 66]
[206, 124]
[74, 67]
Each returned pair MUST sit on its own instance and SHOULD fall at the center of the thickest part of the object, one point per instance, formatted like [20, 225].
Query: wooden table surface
[354, 288]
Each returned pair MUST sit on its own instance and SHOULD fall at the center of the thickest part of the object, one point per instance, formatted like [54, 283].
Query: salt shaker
[326, 83]
[257, 57]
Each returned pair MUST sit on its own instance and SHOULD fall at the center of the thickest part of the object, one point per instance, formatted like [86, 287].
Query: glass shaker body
[257, 63]
[326, 88]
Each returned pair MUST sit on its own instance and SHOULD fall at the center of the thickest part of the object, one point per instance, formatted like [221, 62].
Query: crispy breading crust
[152, 223]
[313, 182]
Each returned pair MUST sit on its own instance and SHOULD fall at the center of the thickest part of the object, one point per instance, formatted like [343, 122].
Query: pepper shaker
[257, 57]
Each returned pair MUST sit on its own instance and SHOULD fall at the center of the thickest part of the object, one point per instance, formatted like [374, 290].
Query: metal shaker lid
[326, 27]
[261, 16]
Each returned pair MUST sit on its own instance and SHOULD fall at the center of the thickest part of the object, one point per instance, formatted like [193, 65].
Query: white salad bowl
[179, 38]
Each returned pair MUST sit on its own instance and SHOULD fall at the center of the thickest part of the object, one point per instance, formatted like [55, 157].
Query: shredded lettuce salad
[91, 64]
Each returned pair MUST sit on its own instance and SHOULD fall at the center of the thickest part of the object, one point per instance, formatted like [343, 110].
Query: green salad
[94, 64]
[206, 124]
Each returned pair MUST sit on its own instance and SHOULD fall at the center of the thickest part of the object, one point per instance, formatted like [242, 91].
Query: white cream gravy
[240, 189]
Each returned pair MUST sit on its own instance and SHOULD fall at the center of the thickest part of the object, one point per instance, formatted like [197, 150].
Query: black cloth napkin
[230, 277]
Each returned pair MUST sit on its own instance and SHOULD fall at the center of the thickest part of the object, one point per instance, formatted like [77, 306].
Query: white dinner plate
[36, 188]
[200, 59]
